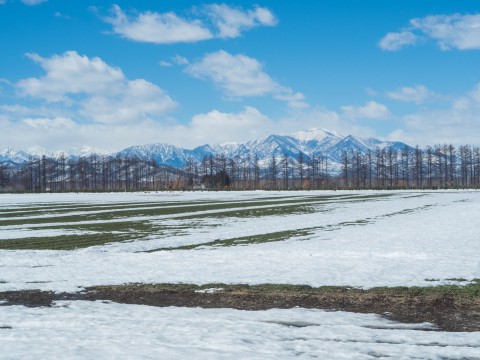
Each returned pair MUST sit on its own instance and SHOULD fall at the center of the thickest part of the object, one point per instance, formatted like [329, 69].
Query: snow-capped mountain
[161, 153]
[13, 157]
[314, 142]
[311, 143]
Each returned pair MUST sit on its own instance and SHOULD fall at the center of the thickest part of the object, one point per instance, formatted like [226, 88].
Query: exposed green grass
[111, 227]
[122, 222]
[156, 211]
[245, 240]
[105, 233]
[470, 289]
[65, 242]
[103, 207]
[61, 209]
[117, 211]
[253, 213]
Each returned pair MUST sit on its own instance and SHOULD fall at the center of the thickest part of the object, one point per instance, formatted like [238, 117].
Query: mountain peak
[317, 134]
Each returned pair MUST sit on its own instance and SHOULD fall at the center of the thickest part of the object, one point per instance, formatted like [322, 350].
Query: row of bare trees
[88, 173]
[440, 166]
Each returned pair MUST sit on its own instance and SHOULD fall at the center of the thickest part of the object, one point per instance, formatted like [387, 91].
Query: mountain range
[313, 142]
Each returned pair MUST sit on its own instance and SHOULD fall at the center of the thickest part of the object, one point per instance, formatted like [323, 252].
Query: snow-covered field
[96, 330]
[351, 239]
[362, 239]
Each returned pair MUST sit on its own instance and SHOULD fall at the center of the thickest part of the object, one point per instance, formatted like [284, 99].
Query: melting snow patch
[210, 290]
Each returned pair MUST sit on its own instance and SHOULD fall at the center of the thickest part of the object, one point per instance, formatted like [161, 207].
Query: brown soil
[449, 311]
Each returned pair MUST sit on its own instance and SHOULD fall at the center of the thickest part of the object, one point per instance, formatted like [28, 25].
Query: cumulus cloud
[461, 32]
[417, 94]
[218, 21]
[138, 99]
[242, 76]
[63, 133]
[249, 124]
[102, 92]
[237, 75]
[167, 28]
[231, 22]
[371, 110]
[217, 126]
[457, 31]
[457, 124]
[70, 73]
[395, 41]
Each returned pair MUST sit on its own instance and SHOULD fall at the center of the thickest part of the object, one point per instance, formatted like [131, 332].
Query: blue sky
[82, 75]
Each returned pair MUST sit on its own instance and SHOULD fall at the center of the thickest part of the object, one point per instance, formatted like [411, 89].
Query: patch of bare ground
[451, 308]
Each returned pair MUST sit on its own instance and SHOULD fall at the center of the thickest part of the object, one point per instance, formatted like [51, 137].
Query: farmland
[289, 245]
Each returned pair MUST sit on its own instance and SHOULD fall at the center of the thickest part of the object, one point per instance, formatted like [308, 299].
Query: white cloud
[250, 124]
[102, 92]
[474, 95]
[157, 28]
[138, 100]
[47, 124]
[237, 75]
[458, 124]
[164, 63]
[175, 60]
[33, 2]
[60, 15]
[70, 73]
[295, 100]
[456, 31]
[242, 76]
[32, 111]
[230, 22]
[218, 21]
[61, 132]
[219, 127]
[417, 94]
[395, 41]
[26, 2]
[4, 84]
[371, 110]
[461, 32]
[180, 60]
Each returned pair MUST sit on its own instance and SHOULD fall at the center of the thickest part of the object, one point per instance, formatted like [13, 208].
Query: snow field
[401, 240]
[396, 238]
[97, 330]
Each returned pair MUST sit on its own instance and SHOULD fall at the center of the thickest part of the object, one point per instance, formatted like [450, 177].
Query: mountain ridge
[311, 143]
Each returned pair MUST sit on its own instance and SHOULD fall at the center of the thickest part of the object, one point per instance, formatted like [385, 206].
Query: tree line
[440, 166]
